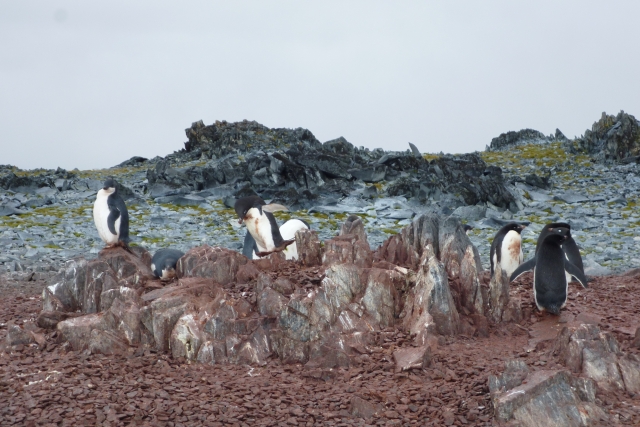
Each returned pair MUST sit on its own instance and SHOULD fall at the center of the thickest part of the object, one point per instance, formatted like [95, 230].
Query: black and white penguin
[264, 236]
[110, 216]
[550, 266]
[506, 248]
[569, 246]
[163, 263]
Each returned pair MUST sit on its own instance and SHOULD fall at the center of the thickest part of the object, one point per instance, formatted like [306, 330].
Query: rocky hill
[183, 199]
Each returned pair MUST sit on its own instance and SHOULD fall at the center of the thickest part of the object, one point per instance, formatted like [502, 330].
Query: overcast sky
[88, 84]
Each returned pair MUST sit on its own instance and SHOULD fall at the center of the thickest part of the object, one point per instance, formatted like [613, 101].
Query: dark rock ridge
[612, 138]
[527, 136]
[291, 166]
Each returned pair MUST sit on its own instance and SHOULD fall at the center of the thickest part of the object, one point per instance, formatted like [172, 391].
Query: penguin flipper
[522, 268]
[249, 246]
[114, 214]
[576, 273]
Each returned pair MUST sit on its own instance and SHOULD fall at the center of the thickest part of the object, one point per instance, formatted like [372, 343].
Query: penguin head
[248, 207]
[467, 228]
[557, 234]
[109, 185]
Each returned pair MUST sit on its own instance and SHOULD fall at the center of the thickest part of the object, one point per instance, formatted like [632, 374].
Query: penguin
[262, 225]
[569, 246]
[287, 231]
[110, 216]
[163, 263]
[550, 265]
[506, 248]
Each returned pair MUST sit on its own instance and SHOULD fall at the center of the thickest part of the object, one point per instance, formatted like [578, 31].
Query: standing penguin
[506, 248]
[265, 236]
[163, 263]
[569, 246]
[110, 216]
[550, 265]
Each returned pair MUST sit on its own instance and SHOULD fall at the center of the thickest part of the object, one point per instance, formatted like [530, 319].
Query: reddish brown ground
[51, 386]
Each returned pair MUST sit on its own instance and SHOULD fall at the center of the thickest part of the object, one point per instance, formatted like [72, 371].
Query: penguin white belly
[511, 252]
[100, 218]
[288, 231]
[260, 228]
[567, 275]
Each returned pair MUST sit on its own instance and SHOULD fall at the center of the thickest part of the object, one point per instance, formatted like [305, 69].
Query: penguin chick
[163, 263]
[506, 248]
[110, 216]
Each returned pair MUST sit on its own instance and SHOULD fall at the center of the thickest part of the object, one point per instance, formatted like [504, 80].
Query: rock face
[595, 354]
[612, 138]
[292, 167]
[201, 318]
[544, 398]
[508, 139]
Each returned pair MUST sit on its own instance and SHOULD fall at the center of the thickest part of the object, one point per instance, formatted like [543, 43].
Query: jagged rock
[412, 358]
[585, 349]
[186, 337]
[516, 370]
[121, 293]
[17, 335]
[99, 278]
[220, 264]
[636, 340]
[347, 249]
[270, 302]
[510, 138]
[431, 300]
[498, 295]
[77, 331]
[129, 269]
[106, 342]
[354, 225]
[129, 320]
[381, 299]
[50, 319]
[549, 398]
[612, 138]
[308, 247]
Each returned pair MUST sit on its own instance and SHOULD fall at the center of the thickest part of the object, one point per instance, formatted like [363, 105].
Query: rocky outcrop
[291, 166]
[586, 350]
[612, 138]
[544, 398]
[201, 318]
[511, 138]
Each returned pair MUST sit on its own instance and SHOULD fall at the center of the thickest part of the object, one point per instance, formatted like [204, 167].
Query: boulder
[549, 398]
[217, 263]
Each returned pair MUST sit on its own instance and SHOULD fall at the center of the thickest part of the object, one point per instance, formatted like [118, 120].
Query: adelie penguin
[111, 217]
[264, 236]
[506, 248]
[569, 246]
[163, 263]
[550, 266]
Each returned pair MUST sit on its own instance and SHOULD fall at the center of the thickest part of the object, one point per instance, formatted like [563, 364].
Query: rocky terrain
[392, 370]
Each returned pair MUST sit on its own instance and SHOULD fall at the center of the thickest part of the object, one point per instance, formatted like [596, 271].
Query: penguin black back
[550, 284]
[118, 208]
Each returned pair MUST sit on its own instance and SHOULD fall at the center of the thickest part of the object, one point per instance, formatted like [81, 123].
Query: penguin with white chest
[163, 263]
[569, 246]
[550, 268]
[506, 248]
[110, 216]
[263, 234]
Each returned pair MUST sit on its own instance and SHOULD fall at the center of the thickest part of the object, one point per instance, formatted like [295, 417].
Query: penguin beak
[240, 221]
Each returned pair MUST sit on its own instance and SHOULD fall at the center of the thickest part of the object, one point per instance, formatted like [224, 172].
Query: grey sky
[88, 84]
